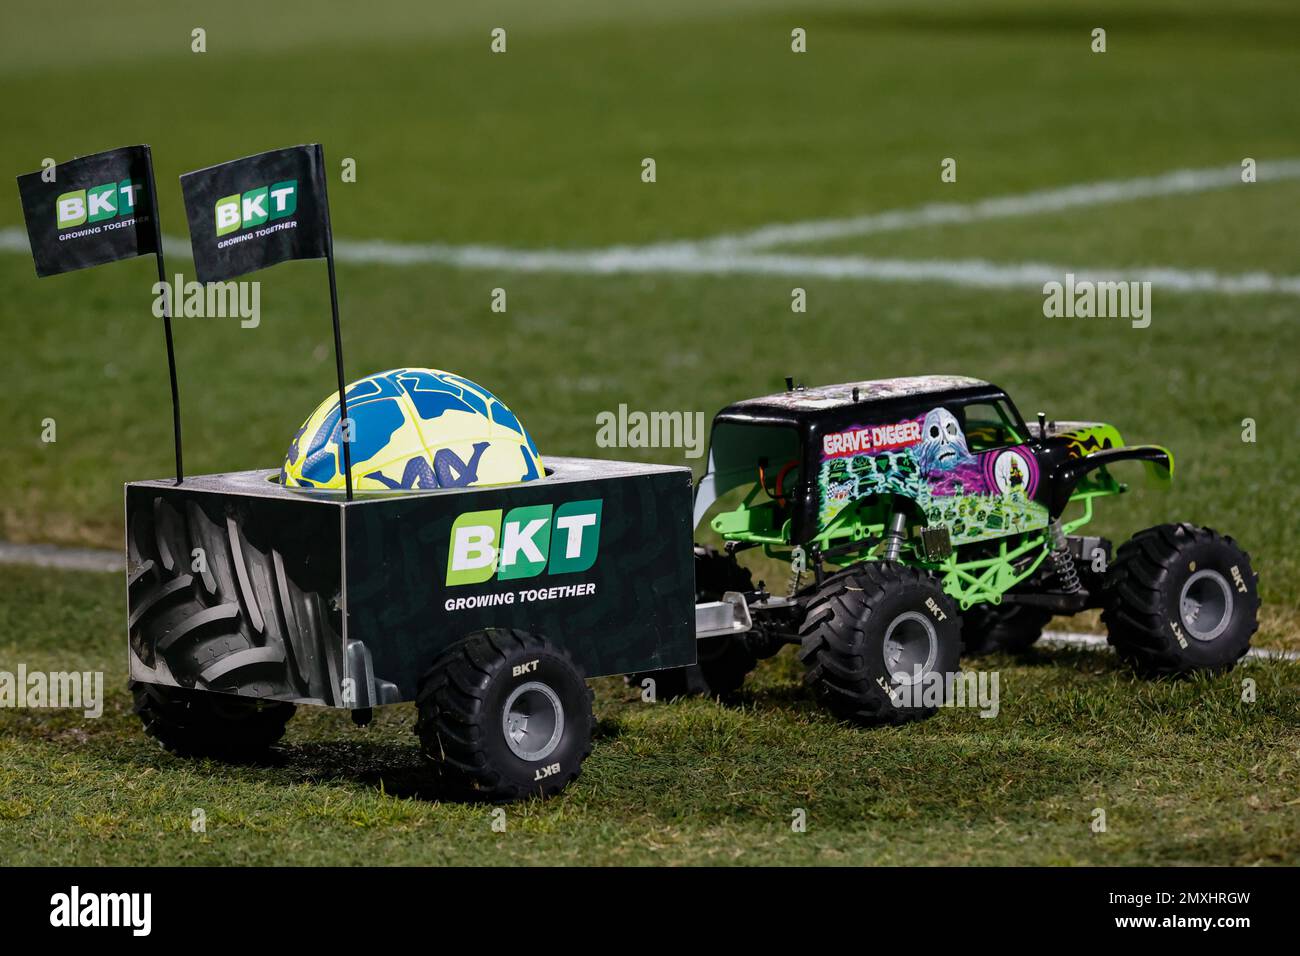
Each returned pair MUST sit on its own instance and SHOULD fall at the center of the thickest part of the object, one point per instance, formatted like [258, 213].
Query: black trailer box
[239, 585]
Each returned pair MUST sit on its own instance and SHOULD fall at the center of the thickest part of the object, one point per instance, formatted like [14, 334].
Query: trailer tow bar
[720, 618]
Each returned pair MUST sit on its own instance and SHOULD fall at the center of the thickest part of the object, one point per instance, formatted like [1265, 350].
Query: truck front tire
[867, 635]
[505, 715]
[1181, 599]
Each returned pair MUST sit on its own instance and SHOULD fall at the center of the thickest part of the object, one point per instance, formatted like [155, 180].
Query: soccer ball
[413, 428]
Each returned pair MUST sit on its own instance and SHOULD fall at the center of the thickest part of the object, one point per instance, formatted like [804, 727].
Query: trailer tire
[505, 714]
[864, 623]
[1180, 599]
[194, 723]
[722, 663]
[1002, 628]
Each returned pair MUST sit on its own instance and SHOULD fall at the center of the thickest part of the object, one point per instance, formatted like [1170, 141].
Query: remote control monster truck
[905, 510]
[918, 513]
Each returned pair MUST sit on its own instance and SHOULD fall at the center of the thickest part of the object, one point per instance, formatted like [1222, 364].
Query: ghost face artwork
[943, 446]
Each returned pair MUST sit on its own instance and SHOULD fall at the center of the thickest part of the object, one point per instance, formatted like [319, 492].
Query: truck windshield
[990, 425]
[738, 451]
[745, 455]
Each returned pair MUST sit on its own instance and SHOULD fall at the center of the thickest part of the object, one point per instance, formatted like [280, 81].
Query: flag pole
[167, 312]
[344, 436]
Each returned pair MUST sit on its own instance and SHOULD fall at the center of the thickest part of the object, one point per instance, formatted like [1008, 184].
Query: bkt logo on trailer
[530, 540]
[96, 204]
[257, 206]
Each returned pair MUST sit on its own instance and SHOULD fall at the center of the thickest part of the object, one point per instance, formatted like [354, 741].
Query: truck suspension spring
[796, 580]
[1067, 575]
[798, 564]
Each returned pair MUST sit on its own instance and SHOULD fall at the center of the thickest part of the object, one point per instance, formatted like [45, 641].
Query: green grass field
[541, 148]
[1186, 772]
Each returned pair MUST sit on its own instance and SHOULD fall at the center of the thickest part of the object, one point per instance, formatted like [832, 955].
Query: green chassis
[976, 580]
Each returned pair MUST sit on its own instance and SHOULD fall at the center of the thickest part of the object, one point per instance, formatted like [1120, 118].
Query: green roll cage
[968, 580]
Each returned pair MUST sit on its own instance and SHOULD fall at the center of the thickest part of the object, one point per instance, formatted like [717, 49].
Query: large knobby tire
[1002, 628]
[867, 631]
[245, 620]
[1181, 599]
[721, 662]
[505, 714]
[195, 723]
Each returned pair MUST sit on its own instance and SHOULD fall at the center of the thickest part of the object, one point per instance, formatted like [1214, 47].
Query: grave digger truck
[918, 515]
[913, 514]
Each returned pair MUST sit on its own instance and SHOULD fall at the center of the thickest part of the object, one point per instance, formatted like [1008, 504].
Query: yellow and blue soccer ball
[413, 428]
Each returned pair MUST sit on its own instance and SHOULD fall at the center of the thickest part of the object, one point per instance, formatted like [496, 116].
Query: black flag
[96, 209]
[251, 213]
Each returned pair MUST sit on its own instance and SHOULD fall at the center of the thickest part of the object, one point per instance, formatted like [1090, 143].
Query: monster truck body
[976, 495]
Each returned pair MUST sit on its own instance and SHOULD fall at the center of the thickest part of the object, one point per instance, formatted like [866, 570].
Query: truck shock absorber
[895, 536]
[1062, 561]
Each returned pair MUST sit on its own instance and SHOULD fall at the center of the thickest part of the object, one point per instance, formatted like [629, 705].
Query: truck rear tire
[505, 714]
[721, 662]
[865, 635]
[1181, 599]
[195, 723]
[1002, 628]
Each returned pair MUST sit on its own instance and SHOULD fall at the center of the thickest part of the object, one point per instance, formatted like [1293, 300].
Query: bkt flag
[251, 213]
[95, 209]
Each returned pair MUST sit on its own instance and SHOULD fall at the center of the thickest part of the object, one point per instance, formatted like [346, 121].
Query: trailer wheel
[721, 662]
[193, 723]
[1180, 599]
[869, 632]
[1006, 628]
[505, 714]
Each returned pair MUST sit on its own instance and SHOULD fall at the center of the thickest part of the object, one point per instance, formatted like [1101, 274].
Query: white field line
[629, 260]
[1098, 642]
[698, 260]
[739, 254]
[1178, 182]
[64, 559]
[703, 259]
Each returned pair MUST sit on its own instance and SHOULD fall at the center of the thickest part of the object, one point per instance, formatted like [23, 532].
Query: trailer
[489, 606]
